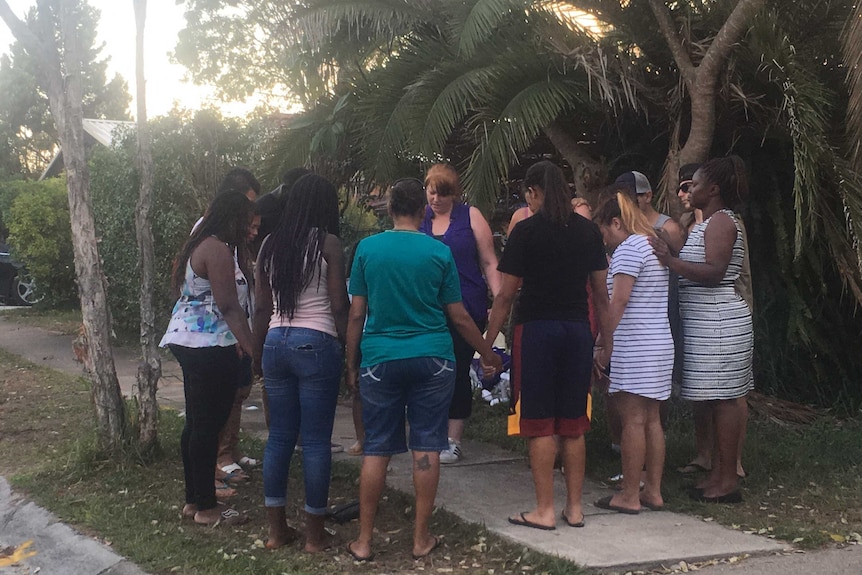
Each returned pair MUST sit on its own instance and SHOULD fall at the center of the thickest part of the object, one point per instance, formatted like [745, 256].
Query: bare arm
[336, 284]
[262, 309]
[599, 287]
[467, 328]
[519, 215]
[485, 246]
[623, 285]
[675, 235]
[355, 324]
[502, 305]
[719, 238]
[214, 261]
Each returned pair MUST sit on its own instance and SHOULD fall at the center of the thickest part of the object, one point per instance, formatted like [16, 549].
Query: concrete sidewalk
[610, 542]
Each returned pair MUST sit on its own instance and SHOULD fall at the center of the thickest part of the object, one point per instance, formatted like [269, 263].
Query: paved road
[611, 543]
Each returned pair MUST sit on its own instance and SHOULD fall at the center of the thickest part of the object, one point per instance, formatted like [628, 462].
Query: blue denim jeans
[302, 371]
[419, 390]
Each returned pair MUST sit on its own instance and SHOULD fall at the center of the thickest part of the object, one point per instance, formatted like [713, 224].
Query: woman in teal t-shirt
[404, 285]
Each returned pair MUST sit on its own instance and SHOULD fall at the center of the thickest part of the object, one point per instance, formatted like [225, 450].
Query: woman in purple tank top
[464, 229]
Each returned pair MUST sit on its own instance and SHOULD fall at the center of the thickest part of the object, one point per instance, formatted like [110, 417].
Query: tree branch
[732, 30]
[20, 30]
[665, 23]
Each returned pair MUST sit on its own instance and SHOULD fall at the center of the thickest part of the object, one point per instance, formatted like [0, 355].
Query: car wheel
[24, 289]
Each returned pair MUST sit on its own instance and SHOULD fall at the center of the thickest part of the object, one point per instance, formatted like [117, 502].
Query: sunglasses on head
[685, 186]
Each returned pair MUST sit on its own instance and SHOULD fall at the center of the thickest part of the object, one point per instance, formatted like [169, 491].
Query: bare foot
[282, 537]
[189, 510]
[319, 544]
[422, 549]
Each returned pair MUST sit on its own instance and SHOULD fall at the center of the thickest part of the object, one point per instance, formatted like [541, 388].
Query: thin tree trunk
[107, 397]
[589, 174]
[150, 367]
[63, 85]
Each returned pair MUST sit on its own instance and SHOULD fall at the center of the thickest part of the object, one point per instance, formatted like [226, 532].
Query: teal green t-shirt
[407, 277]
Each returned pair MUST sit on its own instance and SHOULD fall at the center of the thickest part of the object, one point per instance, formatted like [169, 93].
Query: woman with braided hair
[301, 311]
[717, 327]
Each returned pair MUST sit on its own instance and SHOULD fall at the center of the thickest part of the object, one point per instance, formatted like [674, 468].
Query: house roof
[101, 131]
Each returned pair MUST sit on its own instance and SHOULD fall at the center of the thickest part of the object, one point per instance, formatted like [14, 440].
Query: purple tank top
[459, 237]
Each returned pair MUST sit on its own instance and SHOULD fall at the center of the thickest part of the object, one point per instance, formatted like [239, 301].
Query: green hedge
[36, 217]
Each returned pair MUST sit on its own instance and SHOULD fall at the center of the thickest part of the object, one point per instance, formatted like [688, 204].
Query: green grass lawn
[46, 437]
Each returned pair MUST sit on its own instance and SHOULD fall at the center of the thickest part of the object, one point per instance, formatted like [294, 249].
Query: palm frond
[852, 45]
[504, 135]
[482, 20]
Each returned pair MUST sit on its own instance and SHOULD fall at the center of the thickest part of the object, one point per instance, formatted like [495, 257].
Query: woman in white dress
[717, 329]
[642, 360]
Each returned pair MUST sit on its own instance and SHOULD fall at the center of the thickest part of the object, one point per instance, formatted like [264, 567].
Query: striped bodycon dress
[717, 328]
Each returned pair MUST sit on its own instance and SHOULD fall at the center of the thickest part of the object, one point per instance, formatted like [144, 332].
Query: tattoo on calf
[423, 463]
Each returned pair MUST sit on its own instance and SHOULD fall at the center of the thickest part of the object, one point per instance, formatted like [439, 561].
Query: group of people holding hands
[405, 326]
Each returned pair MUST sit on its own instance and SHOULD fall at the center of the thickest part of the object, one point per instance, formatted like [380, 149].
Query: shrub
[190, 155]
[41, 237]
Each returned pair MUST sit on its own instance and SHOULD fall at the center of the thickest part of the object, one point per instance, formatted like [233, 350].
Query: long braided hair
[227, 218]
[292, 253]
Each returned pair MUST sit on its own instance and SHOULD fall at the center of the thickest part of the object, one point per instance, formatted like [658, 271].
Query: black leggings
[462, 399]
[210, 376]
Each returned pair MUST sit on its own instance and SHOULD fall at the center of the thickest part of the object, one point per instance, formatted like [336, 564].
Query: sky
[165, 81]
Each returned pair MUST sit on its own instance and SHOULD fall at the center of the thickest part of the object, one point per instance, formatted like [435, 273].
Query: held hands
[491, 364]
[351, 378]
[601, 363]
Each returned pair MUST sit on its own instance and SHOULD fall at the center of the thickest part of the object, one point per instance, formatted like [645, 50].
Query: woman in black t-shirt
[550, 257]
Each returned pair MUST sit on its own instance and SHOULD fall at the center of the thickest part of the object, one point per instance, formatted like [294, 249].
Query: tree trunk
[61, 77]
[107, 397]
[701, 80]
[150, 367]
[589, 174]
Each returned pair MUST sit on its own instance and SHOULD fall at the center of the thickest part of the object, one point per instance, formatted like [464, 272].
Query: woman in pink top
[301, 297]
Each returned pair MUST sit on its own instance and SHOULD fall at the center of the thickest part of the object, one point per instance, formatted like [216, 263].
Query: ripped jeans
[302, 371]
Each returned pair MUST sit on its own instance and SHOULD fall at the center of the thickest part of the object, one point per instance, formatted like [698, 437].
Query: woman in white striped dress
[642, 358]
[717, 328]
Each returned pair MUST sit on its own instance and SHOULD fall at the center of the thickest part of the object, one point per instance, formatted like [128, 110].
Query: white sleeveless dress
[717, 327]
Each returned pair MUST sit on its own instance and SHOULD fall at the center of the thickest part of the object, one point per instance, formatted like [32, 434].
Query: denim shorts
[418, 390]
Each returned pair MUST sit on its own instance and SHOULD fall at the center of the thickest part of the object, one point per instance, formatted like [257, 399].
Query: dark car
[16, 285]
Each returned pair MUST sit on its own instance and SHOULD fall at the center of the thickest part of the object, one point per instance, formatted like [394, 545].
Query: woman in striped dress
[717, 328]
[642, 358]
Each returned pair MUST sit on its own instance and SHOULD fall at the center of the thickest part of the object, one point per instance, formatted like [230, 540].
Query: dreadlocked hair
[227, 218]
[729, 175]
[549, 177]
[294, 250]
[621, 206]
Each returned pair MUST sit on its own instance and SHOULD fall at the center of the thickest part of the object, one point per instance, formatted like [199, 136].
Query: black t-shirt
[554, 262]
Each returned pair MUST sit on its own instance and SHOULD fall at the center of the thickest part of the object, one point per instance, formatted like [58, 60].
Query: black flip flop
[357, 557]
[651, 507]
[732, 497]
[437, 543]
[605, 503]
[524, 522]
[569, 523]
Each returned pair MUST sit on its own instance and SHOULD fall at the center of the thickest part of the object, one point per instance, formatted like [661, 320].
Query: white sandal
[248, 462]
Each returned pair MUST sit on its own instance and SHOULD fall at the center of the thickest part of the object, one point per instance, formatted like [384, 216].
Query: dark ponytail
[729, 175]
